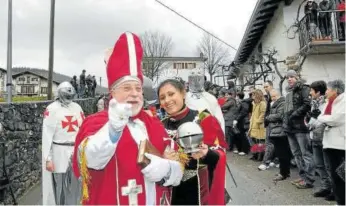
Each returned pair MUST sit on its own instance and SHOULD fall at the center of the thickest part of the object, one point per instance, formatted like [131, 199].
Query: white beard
[136, 110]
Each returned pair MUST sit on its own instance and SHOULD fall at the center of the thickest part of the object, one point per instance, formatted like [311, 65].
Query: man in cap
[106, 148]
[297, 106]
[198, 99]
[61, 122]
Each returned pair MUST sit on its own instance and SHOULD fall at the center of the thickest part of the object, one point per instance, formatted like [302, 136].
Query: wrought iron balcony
[322, 34]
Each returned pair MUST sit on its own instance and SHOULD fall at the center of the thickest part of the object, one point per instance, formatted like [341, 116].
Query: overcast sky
[85, 28]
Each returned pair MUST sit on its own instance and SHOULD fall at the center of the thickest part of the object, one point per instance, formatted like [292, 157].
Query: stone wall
[20, 129]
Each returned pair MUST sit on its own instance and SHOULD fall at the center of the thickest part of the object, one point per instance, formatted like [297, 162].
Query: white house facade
[270, 28]
[30, 84]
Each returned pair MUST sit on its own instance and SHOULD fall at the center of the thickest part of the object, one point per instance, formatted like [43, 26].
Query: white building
[176, 67]
[2, 81]
[28, 83]
[268, 29]
[34, 82]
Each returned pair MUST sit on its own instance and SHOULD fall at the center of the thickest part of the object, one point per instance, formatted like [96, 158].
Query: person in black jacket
[229, 110]
[310, 11]
[241, 141]
[277, 135]
[297, 106]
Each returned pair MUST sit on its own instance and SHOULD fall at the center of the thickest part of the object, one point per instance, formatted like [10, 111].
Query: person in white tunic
[61, 122]
[198, 99]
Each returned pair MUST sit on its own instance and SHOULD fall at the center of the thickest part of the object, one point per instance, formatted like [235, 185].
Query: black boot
[254, 156]
[330, 197]
[322, 193]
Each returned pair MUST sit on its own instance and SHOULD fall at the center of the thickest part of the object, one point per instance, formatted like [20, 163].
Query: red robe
[214, 136]
[102, 188]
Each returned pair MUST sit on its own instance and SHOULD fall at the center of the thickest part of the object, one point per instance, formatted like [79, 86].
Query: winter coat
[315, 126]
[297, 105]
[268, 100]
[326, 6]
[248, 102]
[230, 110]
[311, 12]
[334, 134]
[341, 6]
[257, 129]
[242, 115]
[275, 118]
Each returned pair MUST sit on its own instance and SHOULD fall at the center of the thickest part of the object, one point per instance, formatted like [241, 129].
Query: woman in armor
[207, 185]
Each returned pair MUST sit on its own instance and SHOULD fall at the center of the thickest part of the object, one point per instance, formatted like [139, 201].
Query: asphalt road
[257, 188]
[254, 187]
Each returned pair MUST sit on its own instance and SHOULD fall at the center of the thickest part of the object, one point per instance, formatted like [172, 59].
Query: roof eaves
[261, 16]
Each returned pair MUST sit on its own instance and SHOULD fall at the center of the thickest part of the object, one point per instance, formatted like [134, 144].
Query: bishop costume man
[106, 148]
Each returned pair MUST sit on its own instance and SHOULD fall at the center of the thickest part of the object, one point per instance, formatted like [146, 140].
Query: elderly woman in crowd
[257, 130]
[277, 134]
[333, 116]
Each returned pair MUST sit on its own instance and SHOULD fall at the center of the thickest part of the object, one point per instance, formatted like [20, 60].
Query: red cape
[214, 136]
[102, 188]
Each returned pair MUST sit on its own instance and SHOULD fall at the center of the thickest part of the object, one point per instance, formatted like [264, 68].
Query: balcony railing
[326, 30]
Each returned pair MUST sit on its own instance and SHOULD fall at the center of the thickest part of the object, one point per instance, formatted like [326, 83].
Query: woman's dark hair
[175, 83]
[319, 86]
[241, 95]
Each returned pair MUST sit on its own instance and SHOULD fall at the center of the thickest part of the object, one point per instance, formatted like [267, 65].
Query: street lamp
[51, 51]
[9, 53]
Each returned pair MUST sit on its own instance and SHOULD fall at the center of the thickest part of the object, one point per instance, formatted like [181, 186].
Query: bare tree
[216, 53]
[250, 76]
[156, 45]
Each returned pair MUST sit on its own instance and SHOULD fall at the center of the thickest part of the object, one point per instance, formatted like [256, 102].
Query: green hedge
[25, 99]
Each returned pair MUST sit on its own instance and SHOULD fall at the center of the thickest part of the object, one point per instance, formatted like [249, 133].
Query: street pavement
[254, 187]
[257, 188]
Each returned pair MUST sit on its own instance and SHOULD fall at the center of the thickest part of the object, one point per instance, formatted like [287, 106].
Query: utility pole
[9, 53]
[51, 50]
[100, 81]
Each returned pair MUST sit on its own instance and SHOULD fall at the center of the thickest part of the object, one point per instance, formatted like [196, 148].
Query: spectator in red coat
[222, 97]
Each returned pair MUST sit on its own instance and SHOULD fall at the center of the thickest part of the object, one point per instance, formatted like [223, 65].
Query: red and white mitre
[125, 61]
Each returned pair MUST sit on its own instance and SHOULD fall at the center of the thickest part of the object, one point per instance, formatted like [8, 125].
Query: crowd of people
[307, 128]
[325, 19]
[86, 85]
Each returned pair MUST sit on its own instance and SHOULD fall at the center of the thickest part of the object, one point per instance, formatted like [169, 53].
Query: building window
[28, 79]
[44, 90]
[24, 90]
[191, 66]
[27, 90]
[31, 89]
[22, 79]
[34, 79]
[178, 65]
[184, 65]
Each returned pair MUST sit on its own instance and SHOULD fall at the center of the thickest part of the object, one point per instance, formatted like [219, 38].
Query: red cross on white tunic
[45, 113]
[69, 124]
